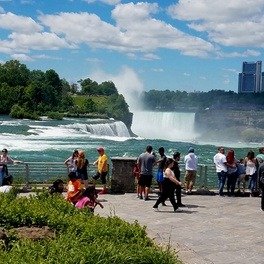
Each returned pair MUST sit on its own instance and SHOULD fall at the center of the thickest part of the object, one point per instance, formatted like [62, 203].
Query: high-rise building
[251, 78]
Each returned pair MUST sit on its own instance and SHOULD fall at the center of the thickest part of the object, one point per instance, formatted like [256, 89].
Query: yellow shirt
[102, 163]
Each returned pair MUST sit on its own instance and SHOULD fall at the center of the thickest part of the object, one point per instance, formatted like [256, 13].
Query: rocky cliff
[231, 125]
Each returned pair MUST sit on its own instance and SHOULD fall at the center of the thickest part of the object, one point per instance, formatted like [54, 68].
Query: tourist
[146, 162]
[177, 173]
[102, 169]
[231, 172]
[221, 169]
[57, 187]
[190, 161]
[241, 173]
[4, 160]
[260, 156]
[136, 174]
[71, 161]
[251, 171]
[161, 163]
[88, 199]
[168, 186]
[82, 165]
[74, 188]
[261, 183]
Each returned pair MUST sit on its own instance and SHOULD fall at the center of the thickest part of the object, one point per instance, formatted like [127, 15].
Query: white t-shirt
[219, 161]
[190, 161]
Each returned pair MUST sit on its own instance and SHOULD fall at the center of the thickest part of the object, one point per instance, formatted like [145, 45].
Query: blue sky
[185, 45]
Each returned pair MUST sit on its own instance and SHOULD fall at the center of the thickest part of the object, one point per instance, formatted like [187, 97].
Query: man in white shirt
[190, 161]
[221, 169]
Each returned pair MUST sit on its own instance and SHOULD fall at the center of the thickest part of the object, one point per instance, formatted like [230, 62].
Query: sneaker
[178, 210]
[140, 197]
[155, 209]
[181, 205]
[147, 198]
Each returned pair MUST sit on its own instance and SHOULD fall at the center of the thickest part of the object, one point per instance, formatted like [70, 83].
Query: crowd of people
[231, 172]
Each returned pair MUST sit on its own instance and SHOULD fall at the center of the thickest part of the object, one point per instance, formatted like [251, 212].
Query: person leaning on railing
[4, 160]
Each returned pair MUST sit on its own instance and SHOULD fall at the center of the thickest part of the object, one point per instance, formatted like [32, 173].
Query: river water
[53, 140]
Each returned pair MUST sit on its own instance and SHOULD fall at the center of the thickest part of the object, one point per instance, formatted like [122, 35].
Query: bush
[55, 115]
[80, 237]
[19, 112]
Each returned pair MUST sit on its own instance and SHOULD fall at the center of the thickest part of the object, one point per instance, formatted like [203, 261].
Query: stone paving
[210, 229]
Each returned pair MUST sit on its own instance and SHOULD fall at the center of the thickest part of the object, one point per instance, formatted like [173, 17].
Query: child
[88, 199]
[136, 175]
[56, 187]
[74, 188]
[241, 172]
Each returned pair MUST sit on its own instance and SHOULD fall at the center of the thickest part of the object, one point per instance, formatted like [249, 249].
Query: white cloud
[17, 23]
[236, 54]
[228, 23]
[150, 56]
[135, 31]
[186, 74]
[2, 10]
[109, 2]
[93, 60]
[127, 83]
[202, 78]
[232, 71]
[21, 57]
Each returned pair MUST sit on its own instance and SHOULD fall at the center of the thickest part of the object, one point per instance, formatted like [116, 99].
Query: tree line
[214, 99]
[30, 94]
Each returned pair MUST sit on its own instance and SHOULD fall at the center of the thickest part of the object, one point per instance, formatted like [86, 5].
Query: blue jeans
[221, 181]
[252, 185]
[1, 177]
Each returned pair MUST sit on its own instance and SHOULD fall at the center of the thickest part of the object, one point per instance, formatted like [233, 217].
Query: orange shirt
[74, 187]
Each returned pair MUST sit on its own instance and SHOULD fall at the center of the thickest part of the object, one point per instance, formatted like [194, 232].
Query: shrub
[80, 236]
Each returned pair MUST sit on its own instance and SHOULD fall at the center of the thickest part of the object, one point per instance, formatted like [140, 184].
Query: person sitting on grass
[57, 187]
[74, 188]
[88, 199]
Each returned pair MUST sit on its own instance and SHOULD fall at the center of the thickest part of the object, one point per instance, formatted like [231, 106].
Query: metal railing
[45, 172]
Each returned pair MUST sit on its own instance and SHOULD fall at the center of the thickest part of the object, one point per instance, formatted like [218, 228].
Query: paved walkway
[211, 229]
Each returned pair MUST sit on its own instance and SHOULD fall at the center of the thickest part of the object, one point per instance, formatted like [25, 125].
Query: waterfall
[113, 129]
[174, 126]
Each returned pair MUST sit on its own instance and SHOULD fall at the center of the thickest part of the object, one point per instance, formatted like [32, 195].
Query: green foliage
[20, 112]
[80, 237]
[215, 99]
[55, 115]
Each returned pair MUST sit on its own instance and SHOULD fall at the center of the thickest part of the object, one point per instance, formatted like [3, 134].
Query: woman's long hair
[168, 162]
[80, 159]
[230, 156]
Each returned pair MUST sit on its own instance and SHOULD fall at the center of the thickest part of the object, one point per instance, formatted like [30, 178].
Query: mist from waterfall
[173, 126]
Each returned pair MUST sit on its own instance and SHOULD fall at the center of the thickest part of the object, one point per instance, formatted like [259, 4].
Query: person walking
[102, 168]
[146, 162]
[221, 169]
[168, 186]
[177, 173]
[191, 162]
[161, 163]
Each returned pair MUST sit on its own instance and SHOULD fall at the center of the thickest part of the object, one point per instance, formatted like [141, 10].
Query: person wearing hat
[102, 168]
[191, 162]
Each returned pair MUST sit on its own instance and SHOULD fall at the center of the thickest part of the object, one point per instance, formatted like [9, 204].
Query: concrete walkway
[211, 229]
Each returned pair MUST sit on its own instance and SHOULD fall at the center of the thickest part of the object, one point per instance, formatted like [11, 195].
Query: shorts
[82, 176]
[102, 176]
[190, 175]
[145, 180]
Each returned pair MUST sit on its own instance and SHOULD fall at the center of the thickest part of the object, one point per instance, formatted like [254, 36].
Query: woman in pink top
[88, 199]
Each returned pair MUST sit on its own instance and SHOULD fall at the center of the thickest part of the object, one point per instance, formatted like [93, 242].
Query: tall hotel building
[251, 79]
